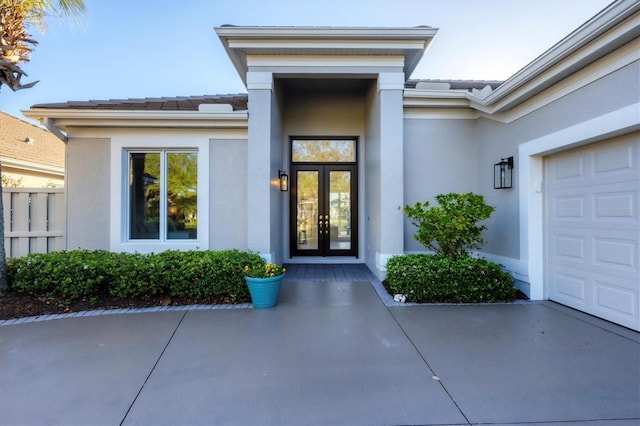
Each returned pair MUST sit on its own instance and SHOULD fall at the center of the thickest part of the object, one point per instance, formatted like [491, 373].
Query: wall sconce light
[284, 180]
[503, 173]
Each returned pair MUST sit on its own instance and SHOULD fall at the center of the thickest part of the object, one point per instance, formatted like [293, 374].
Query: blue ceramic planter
[264, 291]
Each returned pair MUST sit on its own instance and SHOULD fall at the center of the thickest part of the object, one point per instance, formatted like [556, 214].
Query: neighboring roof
[182, 103]
[24, 141]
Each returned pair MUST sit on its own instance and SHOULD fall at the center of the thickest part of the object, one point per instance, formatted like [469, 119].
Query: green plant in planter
[450, 229]
[267, 270]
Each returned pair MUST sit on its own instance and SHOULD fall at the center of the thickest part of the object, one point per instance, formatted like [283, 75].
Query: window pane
[144, 195]
[340, 208]
[182, 196]
[307, 221]
[332, 151]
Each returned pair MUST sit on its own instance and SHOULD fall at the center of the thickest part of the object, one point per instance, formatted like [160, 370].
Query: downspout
[48, 123]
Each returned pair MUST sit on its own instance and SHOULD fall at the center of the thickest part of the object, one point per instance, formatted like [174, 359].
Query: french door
[324, 210]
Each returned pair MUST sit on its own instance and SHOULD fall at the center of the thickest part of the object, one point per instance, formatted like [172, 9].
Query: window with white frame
[159, 191]
[162, 201]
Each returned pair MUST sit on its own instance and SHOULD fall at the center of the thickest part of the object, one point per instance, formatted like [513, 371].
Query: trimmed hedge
[425, 278]
[90, 275]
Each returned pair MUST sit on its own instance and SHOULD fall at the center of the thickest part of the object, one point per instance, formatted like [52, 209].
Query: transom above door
[323, 219]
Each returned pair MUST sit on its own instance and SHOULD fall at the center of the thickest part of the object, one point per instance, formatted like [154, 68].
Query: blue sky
[151, 48]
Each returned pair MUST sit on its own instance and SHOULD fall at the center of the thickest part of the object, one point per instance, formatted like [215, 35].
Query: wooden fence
[33, 220]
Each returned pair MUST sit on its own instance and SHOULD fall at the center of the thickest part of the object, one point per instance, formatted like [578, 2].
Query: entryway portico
[326, 83]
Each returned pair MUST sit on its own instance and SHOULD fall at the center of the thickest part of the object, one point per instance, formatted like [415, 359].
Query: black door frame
[324, 169]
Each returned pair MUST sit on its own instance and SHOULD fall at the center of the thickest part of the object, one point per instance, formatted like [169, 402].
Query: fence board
[33, 220]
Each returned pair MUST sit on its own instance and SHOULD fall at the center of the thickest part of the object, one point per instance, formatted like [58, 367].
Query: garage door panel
[617, 254]
[570, 207]
[616, 206]
[620, 301]
[569, 287]
[613, 299]
[616, 157]
[571, 248]
[592, 219]
[567, 171]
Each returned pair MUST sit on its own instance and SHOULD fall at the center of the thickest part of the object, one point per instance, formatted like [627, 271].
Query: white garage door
[593, 229]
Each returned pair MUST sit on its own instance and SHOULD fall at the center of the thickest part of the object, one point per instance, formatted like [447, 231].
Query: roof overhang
[243, 42]
[64, 119]
[604, 44]
[614, 27]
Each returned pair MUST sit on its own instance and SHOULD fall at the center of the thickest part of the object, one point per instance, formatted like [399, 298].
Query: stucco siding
[372, 176]
[277, 163]
[498, 140]
[610, 93]
[259, 172]
[439, 158]
[88, 193]
[502, 233]
[228, 194]
[323, 113]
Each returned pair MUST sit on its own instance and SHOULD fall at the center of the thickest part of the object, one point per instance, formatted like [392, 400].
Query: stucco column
[260, 90]
[390, 92]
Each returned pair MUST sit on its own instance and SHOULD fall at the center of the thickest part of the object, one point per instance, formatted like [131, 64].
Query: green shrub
[198, 274]
[450, 229]
[132, 276]
[90, 275]
[66, 275]
[425, 278]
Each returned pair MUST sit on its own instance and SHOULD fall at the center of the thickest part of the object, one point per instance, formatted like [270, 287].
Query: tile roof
[457, 84]
[44, 147]
[237, 101]
[181, 103]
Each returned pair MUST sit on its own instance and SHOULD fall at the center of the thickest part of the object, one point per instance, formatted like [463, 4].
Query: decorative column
[260, 89]
[390, 93]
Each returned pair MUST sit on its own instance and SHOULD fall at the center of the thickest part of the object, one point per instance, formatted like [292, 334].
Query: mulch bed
[19, 305]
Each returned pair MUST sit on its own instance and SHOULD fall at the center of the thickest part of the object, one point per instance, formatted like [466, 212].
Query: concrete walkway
[331, 352]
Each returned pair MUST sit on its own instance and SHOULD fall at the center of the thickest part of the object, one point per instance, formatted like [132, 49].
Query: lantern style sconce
[503, 173]
[284, 180]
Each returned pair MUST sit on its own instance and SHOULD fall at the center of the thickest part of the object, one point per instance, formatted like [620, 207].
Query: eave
[240, 42]
[615, 26]
[64, 119]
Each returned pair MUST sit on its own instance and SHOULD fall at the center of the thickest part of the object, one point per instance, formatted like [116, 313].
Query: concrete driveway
[329, 353]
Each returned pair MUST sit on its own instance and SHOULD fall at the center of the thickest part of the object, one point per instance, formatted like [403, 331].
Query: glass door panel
[307, 203]
[323, 200]
[340, 210]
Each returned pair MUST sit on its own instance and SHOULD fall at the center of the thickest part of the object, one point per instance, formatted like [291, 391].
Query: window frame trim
[162, 223]
[121, 146]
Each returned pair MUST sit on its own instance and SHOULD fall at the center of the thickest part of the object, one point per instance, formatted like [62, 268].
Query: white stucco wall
[372, 176]
[277, 162]
[228, 192]
[260, 177]
[498, 140]
[88, 193]
[316, 111]
[439, 158]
